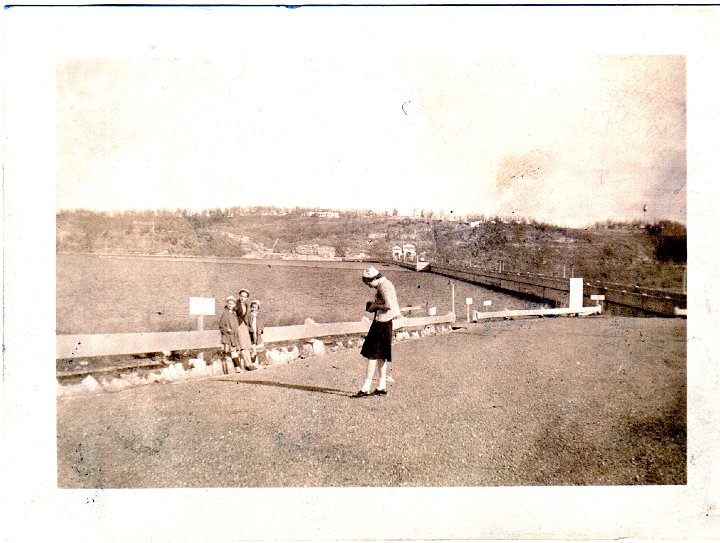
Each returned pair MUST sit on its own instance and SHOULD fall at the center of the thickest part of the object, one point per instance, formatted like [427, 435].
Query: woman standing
[377, 346]
[245, 343]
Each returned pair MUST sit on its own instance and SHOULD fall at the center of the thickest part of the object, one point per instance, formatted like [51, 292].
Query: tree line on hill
[629, 252]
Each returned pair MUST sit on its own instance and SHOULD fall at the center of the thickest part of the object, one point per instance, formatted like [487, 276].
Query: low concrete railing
[633, 299]
[619, 299]
[551, 312]
[89, 345]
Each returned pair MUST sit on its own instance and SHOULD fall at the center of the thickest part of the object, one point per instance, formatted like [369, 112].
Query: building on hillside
[331, 214]
[397, 253]
[409, 253]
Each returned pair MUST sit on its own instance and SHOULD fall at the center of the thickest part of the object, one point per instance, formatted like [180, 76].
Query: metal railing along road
[619, 298]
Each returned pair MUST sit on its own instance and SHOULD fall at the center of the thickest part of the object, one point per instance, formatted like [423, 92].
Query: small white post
[468, 303]
[452, 289]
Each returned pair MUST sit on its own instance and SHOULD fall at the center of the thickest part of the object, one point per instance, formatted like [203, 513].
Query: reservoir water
[96, 294]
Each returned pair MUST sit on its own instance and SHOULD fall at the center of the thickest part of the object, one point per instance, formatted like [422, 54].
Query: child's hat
[230, 298]
[256, 302]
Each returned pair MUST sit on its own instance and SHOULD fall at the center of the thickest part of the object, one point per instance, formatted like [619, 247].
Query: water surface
[132, 294]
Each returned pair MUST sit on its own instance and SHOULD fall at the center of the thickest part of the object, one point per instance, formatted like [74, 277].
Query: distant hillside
[652, 256]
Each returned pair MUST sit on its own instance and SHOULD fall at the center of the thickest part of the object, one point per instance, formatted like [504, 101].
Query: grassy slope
[625, 255]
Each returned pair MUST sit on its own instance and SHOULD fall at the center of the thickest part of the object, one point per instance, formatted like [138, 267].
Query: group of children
[241, 333]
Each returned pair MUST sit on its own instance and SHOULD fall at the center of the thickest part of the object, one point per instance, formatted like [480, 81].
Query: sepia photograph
[366, 273]
[479, 203]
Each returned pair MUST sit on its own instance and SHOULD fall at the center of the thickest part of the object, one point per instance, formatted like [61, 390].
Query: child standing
[229, 336]
[255, 329]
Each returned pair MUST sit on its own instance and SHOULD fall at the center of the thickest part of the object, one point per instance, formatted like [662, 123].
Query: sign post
[599, 299]
[468, 303]
[201, 307]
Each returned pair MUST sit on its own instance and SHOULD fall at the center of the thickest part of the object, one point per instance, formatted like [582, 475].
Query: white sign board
[202, 306]
[469, 301]
[487, 303]
[432, 311]
[597, 297]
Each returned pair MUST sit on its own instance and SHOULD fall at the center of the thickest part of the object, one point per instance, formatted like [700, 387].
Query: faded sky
[566, 139]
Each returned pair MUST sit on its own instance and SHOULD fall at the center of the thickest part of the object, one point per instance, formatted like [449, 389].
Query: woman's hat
[256, 302]
[230, 298]
[371, 274]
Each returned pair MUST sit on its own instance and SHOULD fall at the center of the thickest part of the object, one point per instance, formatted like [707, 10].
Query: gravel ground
[553, 401]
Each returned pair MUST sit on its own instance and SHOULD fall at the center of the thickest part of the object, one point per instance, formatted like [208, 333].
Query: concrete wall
[88, 345]
[636, 301]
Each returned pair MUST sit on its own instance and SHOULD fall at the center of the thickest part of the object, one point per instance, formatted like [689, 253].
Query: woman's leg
[372, 365]
[236, 365]
[247, 360]
[382, 383]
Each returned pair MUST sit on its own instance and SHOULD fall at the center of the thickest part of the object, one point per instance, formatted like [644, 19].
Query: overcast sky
[565, 139]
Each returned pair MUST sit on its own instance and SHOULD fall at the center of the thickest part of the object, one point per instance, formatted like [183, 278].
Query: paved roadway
[554, 401]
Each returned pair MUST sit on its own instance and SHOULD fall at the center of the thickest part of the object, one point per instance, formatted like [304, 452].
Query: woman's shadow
[308, 388]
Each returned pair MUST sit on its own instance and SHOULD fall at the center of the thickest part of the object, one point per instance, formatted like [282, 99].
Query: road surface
[553, 401]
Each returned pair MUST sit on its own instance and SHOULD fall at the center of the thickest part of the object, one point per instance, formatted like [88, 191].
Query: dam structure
[616, 299]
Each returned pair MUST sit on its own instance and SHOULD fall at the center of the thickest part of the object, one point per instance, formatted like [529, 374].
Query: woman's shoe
[381, 392]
